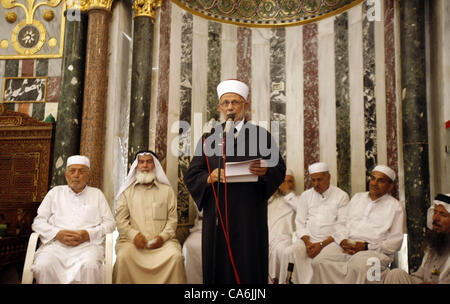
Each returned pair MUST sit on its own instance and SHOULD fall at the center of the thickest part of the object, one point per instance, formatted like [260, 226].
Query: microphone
[229, 122]
[289, 274]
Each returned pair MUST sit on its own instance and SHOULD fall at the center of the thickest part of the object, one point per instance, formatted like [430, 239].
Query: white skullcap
[78, 160]
[441, 199]
[386, 170]
[289, 172]
[318, 167]
[232, 86]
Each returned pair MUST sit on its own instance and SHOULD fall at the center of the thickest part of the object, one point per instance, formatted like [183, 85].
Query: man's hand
[213, 178]
[347, 246]
[313, 249]
[158, 242]
[258, 167]
[352, 248]
[72, 238]
[139, 241]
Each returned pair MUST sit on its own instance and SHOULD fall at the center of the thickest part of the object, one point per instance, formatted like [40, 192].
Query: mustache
[436, 224]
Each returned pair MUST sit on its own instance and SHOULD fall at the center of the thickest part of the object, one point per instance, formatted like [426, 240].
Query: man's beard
[145, 177]
[437, 241]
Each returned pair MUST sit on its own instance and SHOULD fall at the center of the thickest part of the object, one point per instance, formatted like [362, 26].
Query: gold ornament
[82, 5]
[11, 17]
[4, 44]
[52, 42]
[28, 38]
[99, 4]
[146, 8]
[48, 15]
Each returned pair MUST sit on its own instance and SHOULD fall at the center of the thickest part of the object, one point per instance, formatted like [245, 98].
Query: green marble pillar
[414, 122]
[68, 127]
[141, 84]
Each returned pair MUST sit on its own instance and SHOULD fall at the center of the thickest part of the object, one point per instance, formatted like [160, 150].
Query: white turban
[232, 86]
[386, 170]
[289, 172]
[78, 160]
[441, 199]
[131, 177]
[317, 167]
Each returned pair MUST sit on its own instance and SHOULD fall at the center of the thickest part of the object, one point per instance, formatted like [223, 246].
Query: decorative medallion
[266, 13]
[28, 35]
[26, 38]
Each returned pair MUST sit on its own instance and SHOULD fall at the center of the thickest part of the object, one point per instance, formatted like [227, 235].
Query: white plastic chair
[27, 275]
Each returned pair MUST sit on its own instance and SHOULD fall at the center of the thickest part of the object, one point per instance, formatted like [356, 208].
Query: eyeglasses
[226, 103]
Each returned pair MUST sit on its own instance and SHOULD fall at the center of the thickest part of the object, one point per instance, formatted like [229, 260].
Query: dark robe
[246, 210]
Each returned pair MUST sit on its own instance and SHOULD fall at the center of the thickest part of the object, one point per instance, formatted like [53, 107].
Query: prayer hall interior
[352, 83]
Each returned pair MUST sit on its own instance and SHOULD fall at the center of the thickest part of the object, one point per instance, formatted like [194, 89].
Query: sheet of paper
[239, 172]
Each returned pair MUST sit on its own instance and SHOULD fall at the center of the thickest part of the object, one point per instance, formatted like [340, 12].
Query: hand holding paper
[240, 172]
[258, 167]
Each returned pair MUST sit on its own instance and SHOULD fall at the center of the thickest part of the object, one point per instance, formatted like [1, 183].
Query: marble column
[162, 106]
[414, 122]
[141, 76]
[93, 117]
[311, 98]
[68, 127]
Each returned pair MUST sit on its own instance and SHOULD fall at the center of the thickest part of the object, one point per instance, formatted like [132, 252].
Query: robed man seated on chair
[72, 222]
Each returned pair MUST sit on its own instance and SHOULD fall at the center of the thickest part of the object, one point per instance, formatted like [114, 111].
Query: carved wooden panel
[25, 154]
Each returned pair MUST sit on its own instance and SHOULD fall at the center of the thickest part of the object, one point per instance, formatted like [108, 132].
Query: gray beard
[145, 177]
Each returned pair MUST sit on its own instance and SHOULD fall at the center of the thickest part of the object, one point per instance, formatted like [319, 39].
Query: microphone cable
[225, 231]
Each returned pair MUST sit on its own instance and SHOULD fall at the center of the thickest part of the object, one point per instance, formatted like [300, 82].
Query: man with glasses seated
[72, 222]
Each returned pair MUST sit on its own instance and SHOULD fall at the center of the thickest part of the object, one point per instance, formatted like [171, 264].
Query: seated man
[374, 232]
[280, 220]
[72, 221]
[192, 252]
[146, 215]
[435, 267]
[319, 216]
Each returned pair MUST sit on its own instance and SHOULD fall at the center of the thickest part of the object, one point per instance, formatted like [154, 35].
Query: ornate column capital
[77, 4]
[99, 4]
[146, 8]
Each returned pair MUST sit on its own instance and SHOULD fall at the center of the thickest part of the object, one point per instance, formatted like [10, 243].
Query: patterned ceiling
[266, 13]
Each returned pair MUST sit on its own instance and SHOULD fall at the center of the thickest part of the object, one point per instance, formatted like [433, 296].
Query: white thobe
[319, 216]
[379, 223]
[280, 220]
[192, 252]
[63, 209]
[434, 268]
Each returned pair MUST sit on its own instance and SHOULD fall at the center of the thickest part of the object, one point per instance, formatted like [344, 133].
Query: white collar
[79, 193]
[325, 194]
[238, 126]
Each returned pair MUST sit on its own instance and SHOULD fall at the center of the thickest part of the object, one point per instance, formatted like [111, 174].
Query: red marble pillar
[93, 118]
[391, 106]
[162, 102]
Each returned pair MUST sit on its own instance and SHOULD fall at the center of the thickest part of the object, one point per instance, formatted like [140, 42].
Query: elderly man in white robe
[72, 222]
[374, 232]
[435, 267]
[319, 219]
[280, 220]
[147, 251]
